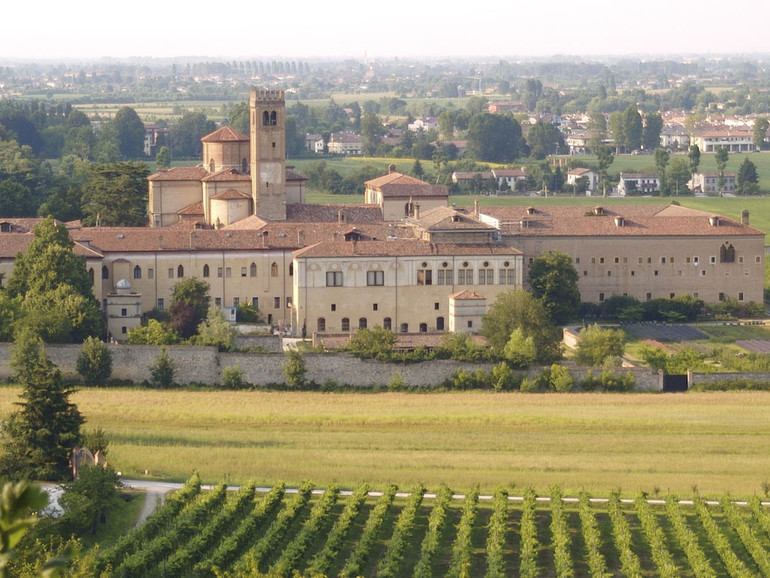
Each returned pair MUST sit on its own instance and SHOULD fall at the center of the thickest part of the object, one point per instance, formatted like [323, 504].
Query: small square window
[617, 259]
[601, 259]
[374, 306]
[746, 272]
[276, 302]
[703, 273]
[713, 259]
[655, 273]
[593, 259]
[334, 307]
[577, 260]
[436, 306]
[757, 259]
[218, 301]
[633, 273]
[585, 273]
[671, 295]
[601, 296]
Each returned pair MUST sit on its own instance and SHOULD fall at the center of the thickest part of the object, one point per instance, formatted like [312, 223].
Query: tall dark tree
[554, 281]
[494, 138]
[186, 134]
[116, 195]
[605, 158]
[544, 139]
[371, 133]
[130, 132]
[189, 306]
[41, 435]
[653, 125]
[748, 178]
[721, 156]
[632, 128]
[661, 162]
[760, 132]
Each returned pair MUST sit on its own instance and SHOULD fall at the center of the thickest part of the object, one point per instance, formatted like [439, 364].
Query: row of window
[387, 323]
[443, 277]
[250, 271]
[722, 296]
[726, 255]
[161, 303]
[679, 273]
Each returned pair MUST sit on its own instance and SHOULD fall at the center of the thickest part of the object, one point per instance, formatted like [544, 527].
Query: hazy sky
[44, 29]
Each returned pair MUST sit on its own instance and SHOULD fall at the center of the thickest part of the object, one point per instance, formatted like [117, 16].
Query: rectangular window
[663, 260]
[649, 296]
[288, 303]
[334, 278]
[123, 312]
[218, 301]
[276, 302]
[511, 276]
[243, 271]
[170, 272]
[757, 259]
[375, 278]
[577, 260]
[374, 306]
[151, 273]
[425, 276]
[601, 297]
[655, 273]
[219, 271]
[617, 260]
[633, 273]
[255, 302]
[746, 272]
[671, 295]
[486, 276]
[161, 303]
[679, 273]
[436, 306]
[703, 273]
[740, 296]
[334, 307]
[236, 301]
[601, 260]
[228, 272]
[713, 259]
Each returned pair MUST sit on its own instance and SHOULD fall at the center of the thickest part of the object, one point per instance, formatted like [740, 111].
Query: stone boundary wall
[204, 365]
[694, 378]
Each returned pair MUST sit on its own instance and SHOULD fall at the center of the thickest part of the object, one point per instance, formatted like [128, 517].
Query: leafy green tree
[163, 370]
[186, 134]
[617, 130]
[502, 377]
[88, 499]
[559, 379]
[494, 138]
[189, 306]
[693, 155]
[19, 504]
[678, 175]
[596, 343]
[604, 157]
[94, 363]
[54, 286]
[238, 117]
[748, 178]
[760, 132]
[294, 369]
[554, 281]
[154, 333]
[597, 129]
[520, 350]
[216, 330]
[661, 162]
[41, 435]
[653, 125]
[116, 195]
[374, 343]
[460, 346]
[16, 200]
[519, 309]
[543, 139]
[371, 132]
[130, 132]
[632, 128]
[163, 157]
[721, 156]
[10, 312]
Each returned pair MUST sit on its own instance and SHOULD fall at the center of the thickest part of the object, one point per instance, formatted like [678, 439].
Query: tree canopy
[596, 343]
[129, 129]
[189, 306]
[494, 138]
[116, 195]
[554, 281]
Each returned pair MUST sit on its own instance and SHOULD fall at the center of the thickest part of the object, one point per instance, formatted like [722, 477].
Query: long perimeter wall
[204, 365]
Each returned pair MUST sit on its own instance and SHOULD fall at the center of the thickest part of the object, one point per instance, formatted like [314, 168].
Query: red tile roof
[399, 185]
[225, 134]
[179, 174]
[226, 175]
[399, 248]
[229, 195]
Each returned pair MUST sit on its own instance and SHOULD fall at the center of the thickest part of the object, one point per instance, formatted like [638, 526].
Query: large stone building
[404, 259]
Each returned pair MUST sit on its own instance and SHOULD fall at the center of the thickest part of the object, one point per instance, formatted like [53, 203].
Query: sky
[307, 29]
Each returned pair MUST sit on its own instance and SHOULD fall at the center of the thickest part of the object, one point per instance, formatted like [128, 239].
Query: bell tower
[267, 109]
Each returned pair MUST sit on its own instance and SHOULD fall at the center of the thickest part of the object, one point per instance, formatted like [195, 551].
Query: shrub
[396, 382]
[163, 370]
[232, 378]
[503, 378]
[611, 381]
[247, 313]
[94, 363]
[560, 379]
[294, 370]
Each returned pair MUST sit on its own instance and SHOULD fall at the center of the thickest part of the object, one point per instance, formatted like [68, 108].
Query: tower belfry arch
[267, 114]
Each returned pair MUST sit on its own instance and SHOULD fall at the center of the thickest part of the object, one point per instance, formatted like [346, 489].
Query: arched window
[439, 324]
[105, 272]
[273, 118]
[206, 271]
[423, 327]
[180, 271]
[253, 270]
[274, 269]
[727, 254]
[387, 323]
[362, 323]
[345, 324]
[321, 324]
[137, 272]
[265, 118]
[90, 274]
[404, 328]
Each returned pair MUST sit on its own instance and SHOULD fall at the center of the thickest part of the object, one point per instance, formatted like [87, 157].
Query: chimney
[417, 211]
[744, 217]
[714, 221]
[619, 221]
[340, 216]
[265, 239]
[476, 207]
[391, 169]
[300, 238]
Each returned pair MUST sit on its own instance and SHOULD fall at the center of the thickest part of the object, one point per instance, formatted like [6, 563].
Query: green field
[719, 442]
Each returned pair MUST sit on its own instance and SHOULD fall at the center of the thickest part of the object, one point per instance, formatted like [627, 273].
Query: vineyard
[409, 532]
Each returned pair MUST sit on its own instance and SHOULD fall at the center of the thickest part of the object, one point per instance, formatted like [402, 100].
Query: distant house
[591, 176]
[505, 106]
[345, 144]
[734, 141]
[424, 124]
[674, 137]
[577, 143]
[507, 178]
[708, 183]
[638, 183]
[310, 141]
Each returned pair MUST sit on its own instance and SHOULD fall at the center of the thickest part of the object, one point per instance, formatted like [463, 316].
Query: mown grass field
[719, 442]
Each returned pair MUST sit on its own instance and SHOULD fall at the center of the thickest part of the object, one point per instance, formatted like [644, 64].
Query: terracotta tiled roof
[13, 243]
[194, 209]
[399, 248]
[225, 134]
[226, 175]
[637, 220]
[400, 185]
[579, 171]
[448, 218]
[228, 195]
[353, 213]
[179, 174]
[20, 224]
[292, 176]
[509, 173]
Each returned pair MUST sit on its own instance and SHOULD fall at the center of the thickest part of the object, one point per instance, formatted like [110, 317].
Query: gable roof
[399, 185]
[195, 173]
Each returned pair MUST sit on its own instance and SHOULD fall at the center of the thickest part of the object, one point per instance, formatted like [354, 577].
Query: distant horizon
[595, 29]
